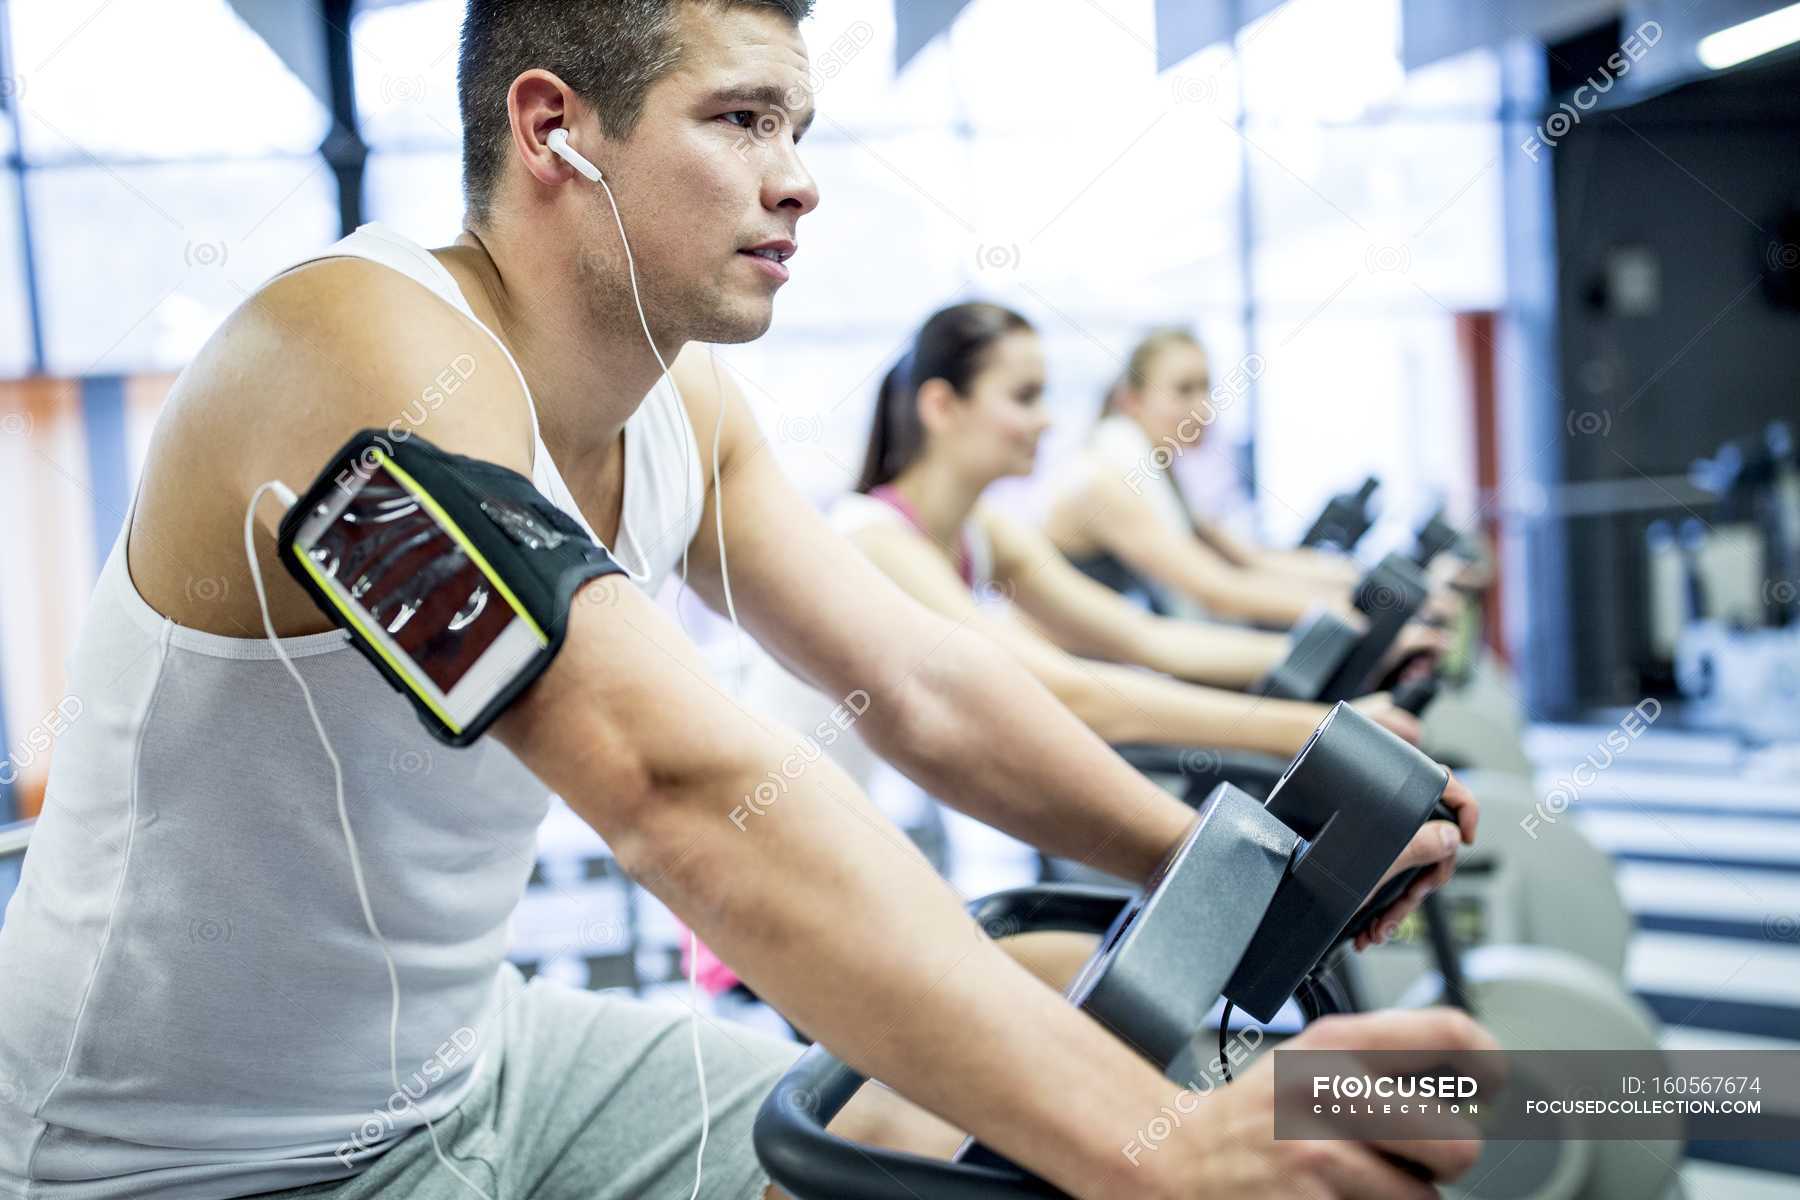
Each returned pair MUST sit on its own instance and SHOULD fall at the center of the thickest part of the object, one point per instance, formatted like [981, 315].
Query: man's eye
[748, 118]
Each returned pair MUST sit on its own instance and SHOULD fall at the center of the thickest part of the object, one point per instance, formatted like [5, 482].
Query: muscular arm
[1086, 618]
[626, 727]
[815, 899]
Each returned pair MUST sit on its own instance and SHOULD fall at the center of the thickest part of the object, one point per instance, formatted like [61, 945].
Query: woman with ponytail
[963, 409]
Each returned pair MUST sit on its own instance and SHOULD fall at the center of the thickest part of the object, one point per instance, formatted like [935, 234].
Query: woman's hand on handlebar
[1468, 578]
[1379, 708]
[1233, 1152]
[1444, 606]
[1419, 648]
[1433, 847]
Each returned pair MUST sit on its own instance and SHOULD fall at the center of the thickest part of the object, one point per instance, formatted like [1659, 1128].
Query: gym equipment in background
[1437, 536]
[1329, 661]
[1542, 884]
[1344, 520]
[1725, 596]
[1534, 998]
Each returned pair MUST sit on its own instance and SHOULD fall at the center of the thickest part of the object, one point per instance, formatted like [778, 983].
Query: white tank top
[192, 1005]
[1119, 447]
[855, 511]
[1116, 445]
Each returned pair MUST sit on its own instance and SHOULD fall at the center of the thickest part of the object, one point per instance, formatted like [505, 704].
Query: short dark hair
[609, 51]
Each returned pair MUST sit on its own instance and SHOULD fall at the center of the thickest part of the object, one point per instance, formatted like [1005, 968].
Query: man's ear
[537, 103]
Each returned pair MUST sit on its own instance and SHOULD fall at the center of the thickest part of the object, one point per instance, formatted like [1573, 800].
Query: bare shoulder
[313, 356]
[1092, 507]
[346, 344]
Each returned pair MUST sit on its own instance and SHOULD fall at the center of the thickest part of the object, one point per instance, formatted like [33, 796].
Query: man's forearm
[984, 736]
[767, 850]
[825, 909]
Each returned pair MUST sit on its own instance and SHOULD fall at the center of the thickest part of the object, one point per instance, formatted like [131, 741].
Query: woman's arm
[1121, 704]
[1123, 523]
[1313, 566]
[1086, 618]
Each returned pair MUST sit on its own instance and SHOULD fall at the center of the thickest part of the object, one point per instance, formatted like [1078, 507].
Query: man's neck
[586, 377]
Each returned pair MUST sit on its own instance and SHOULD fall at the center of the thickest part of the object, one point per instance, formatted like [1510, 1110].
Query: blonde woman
[1124, 521]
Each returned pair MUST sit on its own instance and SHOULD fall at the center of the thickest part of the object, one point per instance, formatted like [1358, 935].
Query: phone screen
[415, 590]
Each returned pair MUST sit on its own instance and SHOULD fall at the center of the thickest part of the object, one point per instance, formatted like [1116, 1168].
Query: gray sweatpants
[595, 1099]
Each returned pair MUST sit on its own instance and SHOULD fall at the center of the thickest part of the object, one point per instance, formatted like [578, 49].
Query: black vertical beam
[343, 148]
[1539, 616]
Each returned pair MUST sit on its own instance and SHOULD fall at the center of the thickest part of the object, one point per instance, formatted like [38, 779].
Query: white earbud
[559, 146]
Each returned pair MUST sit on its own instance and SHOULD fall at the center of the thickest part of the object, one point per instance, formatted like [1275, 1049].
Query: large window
[1375, 217]
[160, 187]
[1293, 194]
[162, 163]
[1033, 155]
[404, 56]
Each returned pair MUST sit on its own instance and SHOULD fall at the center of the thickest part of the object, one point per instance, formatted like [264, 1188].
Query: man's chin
[741, 323]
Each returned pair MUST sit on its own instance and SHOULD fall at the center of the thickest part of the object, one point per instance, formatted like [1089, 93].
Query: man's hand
[1433, 846]
[1379, 708]
[1227, 1147]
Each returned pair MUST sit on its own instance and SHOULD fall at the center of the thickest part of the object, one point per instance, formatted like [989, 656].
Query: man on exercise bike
[195, 1005]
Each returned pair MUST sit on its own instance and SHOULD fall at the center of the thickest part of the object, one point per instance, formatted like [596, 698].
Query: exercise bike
[1254, 906]
[1250, 905]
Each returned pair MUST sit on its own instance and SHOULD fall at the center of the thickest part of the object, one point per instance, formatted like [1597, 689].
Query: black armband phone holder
[453, 576]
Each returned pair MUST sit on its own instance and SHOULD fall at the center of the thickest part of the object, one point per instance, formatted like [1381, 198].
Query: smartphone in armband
[453, 576]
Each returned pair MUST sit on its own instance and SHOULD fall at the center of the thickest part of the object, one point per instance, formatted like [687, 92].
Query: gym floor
[1706, 838]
